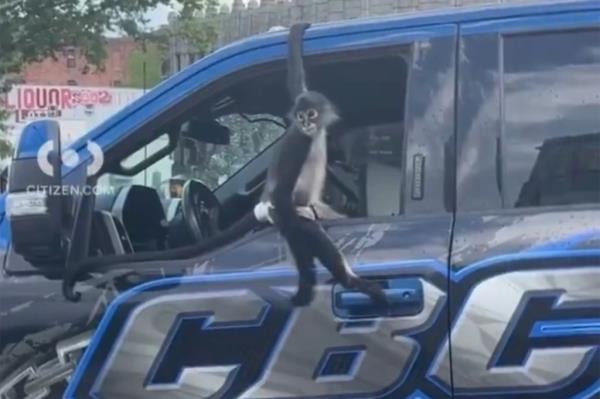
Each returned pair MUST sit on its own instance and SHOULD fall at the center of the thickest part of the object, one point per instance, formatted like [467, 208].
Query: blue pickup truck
[467, 168]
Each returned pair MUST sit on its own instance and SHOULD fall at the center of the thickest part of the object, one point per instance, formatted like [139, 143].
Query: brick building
[71, 67]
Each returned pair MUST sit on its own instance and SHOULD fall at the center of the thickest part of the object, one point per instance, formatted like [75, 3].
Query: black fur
[306, 239]
[111, 262]
[296, 85]
[295, 64]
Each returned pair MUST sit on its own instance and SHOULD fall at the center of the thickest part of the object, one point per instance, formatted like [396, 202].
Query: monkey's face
[308, 120]
[313, 112]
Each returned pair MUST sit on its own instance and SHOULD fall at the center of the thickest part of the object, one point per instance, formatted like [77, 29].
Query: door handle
[404, 297]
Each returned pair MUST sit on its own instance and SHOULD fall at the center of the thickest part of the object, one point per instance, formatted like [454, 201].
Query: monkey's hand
[263, 212]
[325, 212]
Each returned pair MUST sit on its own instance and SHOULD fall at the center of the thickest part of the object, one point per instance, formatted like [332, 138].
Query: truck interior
[365, 159]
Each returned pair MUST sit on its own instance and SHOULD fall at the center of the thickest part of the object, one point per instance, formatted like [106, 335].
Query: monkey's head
[313, 112]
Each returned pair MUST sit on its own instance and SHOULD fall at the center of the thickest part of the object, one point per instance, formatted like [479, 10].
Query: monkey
[260, 215]
[300, 183]
[307, 167]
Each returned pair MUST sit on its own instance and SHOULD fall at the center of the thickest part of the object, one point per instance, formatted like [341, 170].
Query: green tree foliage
[31, 30]
[250, 134]
[6, 148]
[198, 32]
[152, 57]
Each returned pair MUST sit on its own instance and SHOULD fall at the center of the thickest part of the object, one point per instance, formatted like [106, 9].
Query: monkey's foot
[372, 289]
[303, 297]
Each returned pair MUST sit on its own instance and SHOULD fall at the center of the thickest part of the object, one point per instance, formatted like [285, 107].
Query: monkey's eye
[312, 113]
[300, 115]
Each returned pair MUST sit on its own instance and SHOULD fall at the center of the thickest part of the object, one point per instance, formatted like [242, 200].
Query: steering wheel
[200, 209]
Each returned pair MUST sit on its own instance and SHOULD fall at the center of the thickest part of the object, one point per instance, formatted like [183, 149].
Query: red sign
[38, 98]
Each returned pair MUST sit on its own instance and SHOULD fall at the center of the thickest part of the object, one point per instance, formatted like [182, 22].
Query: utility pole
[144, 56]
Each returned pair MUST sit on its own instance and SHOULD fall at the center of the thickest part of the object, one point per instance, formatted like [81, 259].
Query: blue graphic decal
[418, 395]
[569, 242]
[541, 255]
[591, 392]
[562, 328]
[339, 364]
[170, 363]
[347, 360]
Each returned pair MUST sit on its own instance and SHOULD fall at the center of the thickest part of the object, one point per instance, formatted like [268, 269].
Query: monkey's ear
[331, 116]
[336, 111]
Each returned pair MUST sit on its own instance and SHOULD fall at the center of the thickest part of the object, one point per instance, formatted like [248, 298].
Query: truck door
[525, 261]
[235, 335]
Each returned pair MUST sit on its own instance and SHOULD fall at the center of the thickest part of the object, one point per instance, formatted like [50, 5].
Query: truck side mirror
[35, 212]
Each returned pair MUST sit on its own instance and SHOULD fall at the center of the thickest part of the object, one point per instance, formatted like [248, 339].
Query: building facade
[71, 68]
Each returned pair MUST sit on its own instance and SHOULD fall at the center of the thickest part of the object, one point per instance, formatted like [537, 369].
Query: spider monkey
[300, 167]
[291, 197]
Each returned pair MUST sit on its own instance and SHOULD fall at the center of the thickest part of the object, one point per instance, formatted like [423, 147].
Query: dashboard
[130, 220]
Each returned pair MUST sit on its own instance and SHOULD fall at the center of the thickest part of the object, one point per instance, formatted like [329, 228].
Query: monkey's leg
[324, 211]
[307, 277]
[330, 257]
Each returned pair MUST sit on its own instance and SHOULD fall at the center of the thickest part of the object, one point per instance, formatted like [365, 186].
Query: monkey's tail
[112, 262]
[296, 71]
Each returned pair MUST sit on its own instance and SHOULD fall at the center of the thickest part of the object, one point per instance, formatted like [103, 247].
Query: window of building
[551, 130]
[165, 68]
[118, 57]
[178, 61]
[72, 82]
[71, 59]
[117, 83]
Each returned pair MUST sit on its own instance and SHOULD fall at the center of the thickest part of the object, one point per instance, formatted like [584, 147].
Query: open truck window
[227, 140]
[194, 171]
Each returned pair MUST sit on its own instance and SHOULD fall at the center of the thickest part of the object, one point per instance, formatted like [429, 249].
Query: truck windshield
[210, 163]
